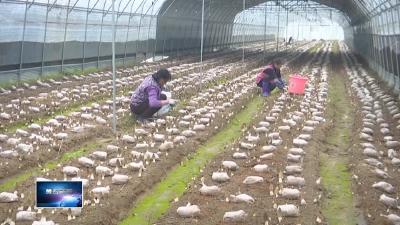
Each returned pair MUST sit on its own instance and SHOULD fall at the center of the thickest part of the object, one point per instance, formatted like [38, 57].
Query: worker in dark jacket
[147, 98]
[270, 78]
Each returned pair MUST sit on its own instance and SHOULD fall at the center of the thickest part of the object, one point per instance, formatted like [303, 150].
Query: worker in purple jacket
[147, 98]
[270, 78]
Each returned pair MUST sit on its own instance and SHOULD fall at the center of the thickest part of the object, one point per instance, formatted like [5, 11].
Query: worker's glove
[280, 84]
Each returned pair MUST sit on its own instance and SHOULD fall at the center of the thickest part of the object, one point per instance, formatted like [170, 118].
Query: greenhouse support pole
[114, 122]
[85, 40]
[277, 34]
[101, 34]
[183, 48]
[226, 36]
[375, 56]
[190, 39]
[212, 37]
[177, 46]
[148, 31]
[219, 36]
[202, 40]
[372, 51]
[243, 31]
[21, 56]
[127, 32]
[298, 29]
[265, 32]
[138, 34]
[287, 24]
[375, 49]
[384, 44]
[155, 48]
[163, 49]
[44, 37]
[382, 62]
[391, 45]
[172, 51]
[379, 64]
[398, 47]
[65, 37]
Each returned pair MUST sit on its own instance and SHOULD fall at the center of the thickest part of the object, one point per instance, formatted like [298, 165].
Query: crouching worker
[270, 78]
[148, 98]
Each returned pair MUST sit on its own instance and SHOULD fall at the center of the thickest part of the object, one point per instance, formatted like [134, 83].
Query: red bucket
[297, 84]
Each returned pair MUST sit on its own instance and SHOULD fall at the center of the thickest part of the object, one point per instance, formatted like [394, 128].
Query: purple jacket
[149, 90]
[272, 73]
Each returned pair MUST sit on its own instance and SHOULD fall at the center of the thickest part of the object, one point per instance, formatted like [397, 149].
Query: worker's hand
[172, 101]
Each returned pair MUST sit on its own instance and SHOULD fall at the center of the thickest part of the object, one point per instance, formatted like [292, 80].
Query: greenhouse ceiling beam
[291, 6]
[72, 7]
[126, 6]
[52, 5]
[311, 9]
[375, 12]
[30, 5]
[140, 5]
[151, 6]
[131, 14]
[259, 8]
[119, 6]
[385, 10]
[127, 33]
[95, 4]
[108, 10]
[228, 11]
[169, 6]
[362, 8]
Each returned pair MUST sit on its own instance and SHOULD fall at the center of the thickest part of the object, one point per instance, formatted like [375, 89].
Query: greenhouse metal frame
[76, 34]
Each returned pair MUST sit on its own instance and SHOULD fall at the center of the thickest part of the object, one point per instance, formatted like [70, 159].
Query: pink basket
[297, 84]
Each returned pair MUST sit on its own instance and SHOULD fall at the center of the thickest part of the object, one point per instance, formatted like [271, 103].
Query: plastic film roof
[224, 10]
[356, 10]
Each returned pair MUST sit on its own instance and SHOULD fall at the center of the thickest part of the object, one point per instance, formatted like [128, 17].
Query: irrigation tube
[202, 40]
[114, 122]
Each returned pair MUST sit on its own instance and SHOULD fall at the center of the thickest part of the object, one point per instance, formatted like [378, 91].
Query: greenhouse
[209, 112]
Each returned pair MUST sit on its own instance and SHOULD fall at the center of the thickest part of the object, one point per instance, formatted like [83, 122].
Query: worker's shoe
[144, 120]
[265, 94]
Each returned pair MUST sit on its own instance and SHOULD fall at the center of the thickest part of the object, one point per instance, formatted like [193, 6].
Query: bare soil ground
[11, 167]
[112, 210]
[262, 211]
[368, 197]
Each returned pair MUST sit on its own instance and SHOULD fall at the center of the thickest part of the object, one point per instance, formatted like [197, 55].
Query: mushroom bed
[267, 166]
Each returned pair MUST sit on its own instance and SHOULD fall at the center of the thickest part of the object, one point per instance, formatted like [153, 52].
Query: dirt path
[127, 194]
[266, 194]
[372, 201]
[158, 201]
[335, 142]
[11, 169]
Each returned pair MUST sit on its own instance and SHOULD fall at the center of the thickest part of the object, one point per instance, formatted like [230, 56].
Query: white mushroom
[235, 216]
[220, 176]
[188, 211]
